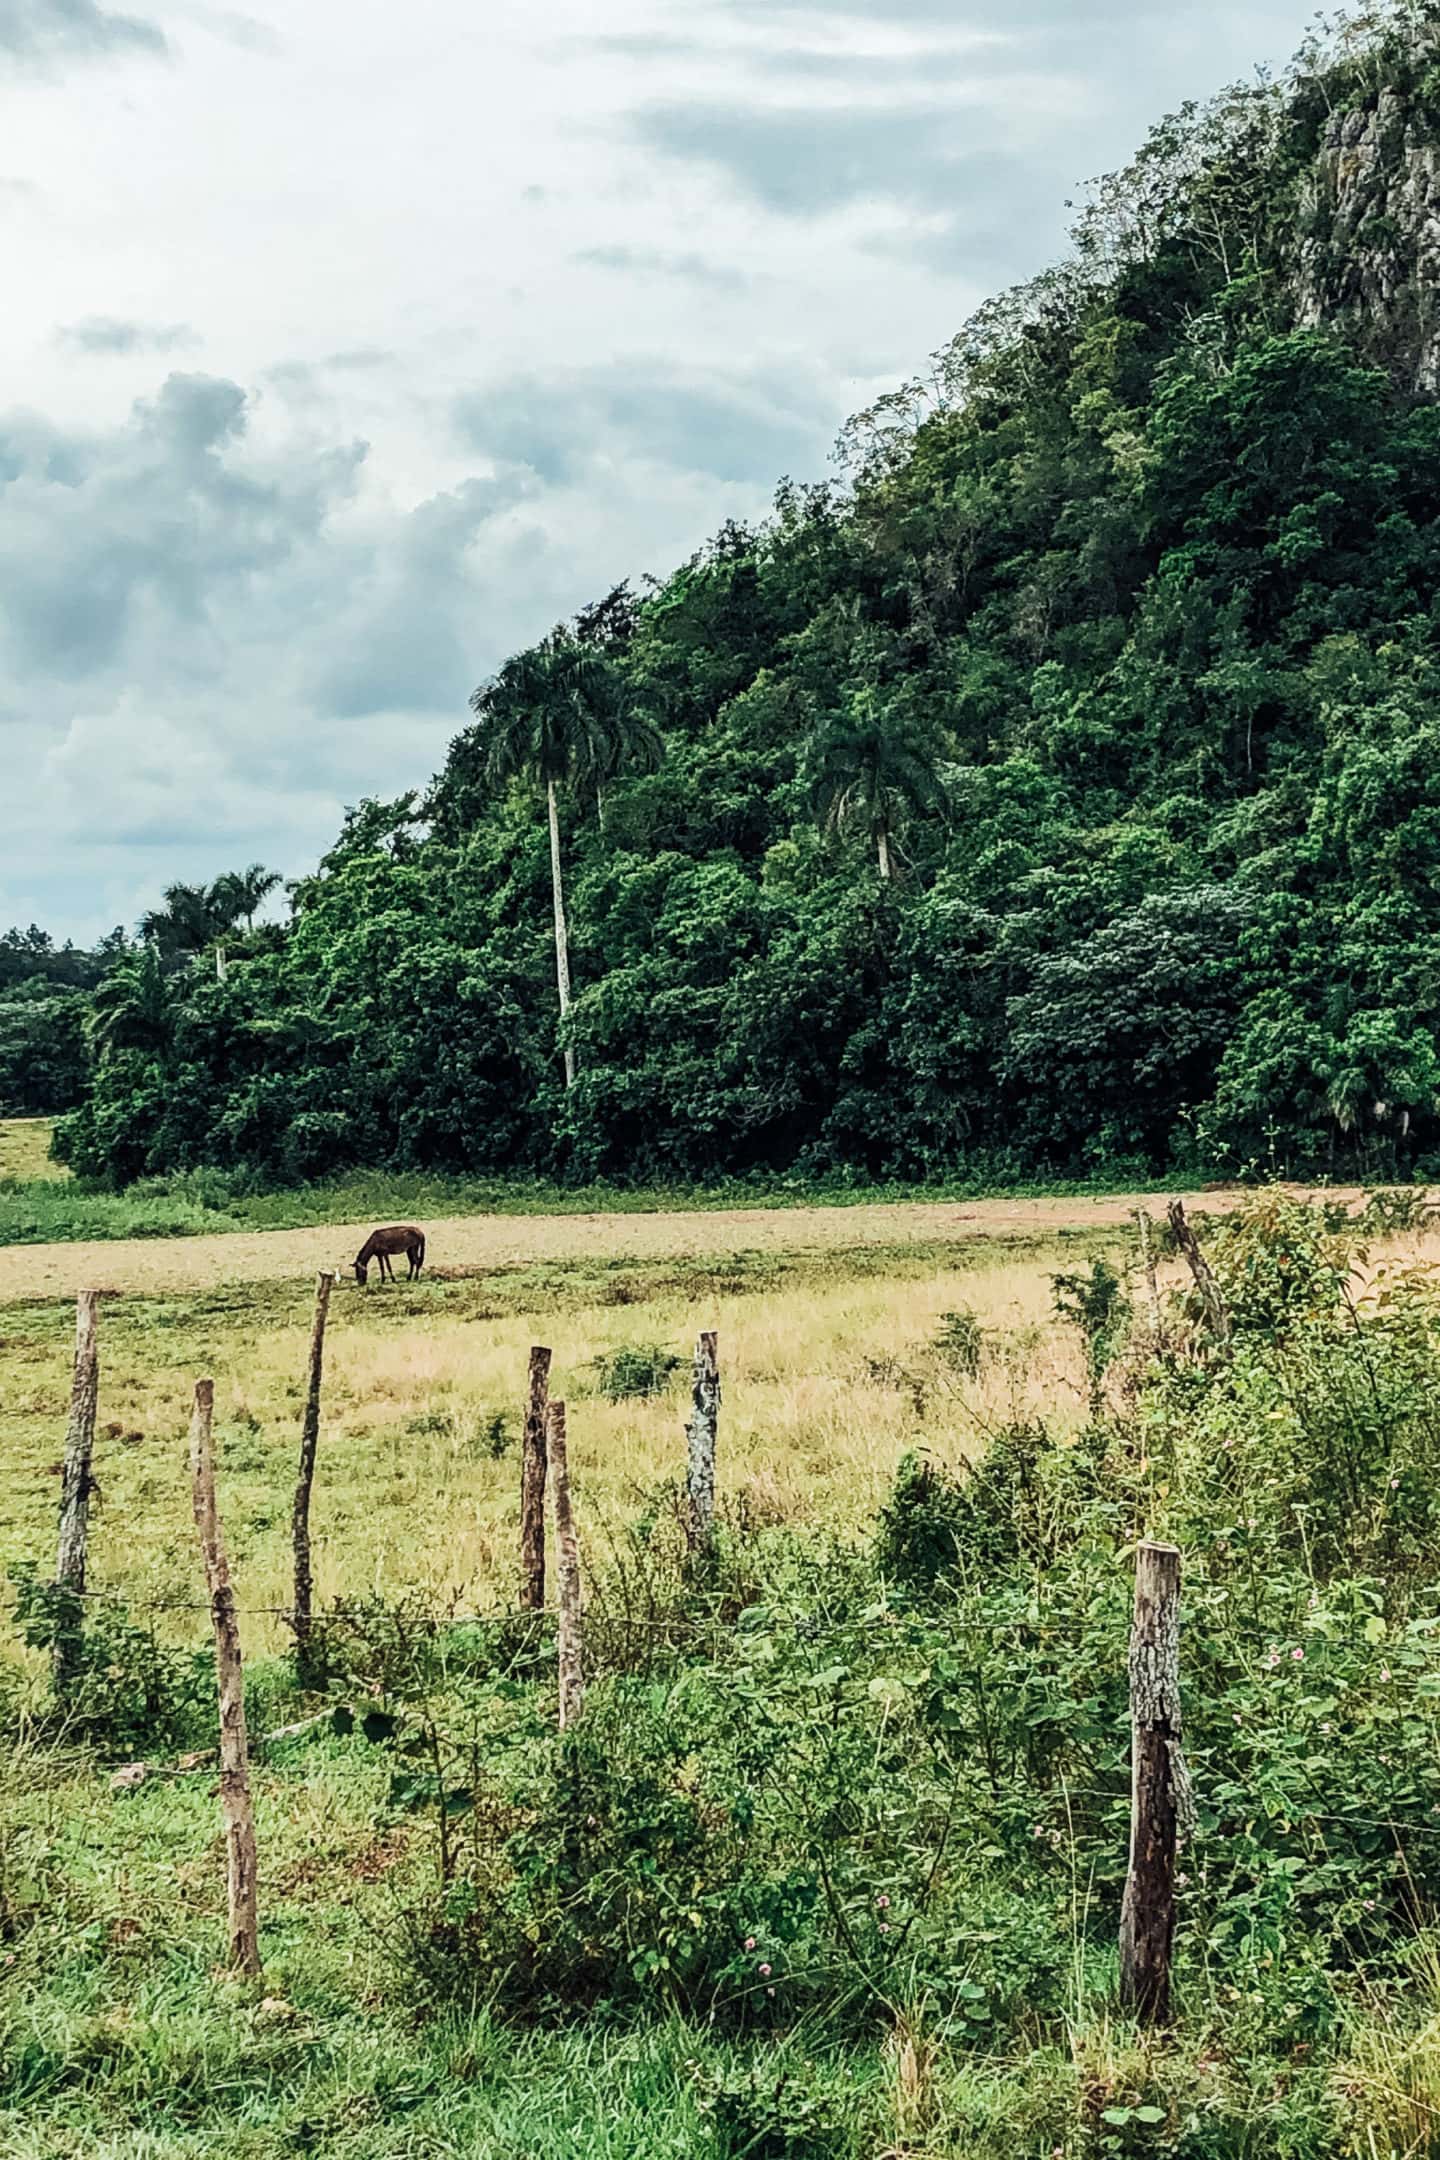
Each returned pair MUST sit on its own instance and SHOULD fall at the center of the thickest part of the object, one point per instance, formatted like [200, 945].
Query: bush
[127, 1690]
[636, 1370]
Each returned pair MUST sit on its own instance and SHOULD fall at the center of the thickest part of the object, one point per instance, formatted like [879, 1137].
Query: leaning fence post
[532, 1486]
[302, 1617]
[704, 1427]
[572, 1679]
[236, 1811]
[1211, 1296]
[1160, 1804]
[78, 1483]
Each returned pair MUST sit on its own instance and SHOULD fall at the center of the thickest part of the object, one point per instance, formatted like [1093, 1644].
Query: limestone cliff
[1368, 253]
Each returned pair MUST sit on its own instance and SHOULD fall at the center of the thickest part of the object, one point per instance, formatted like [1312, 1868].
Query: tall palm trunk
[882, 842]
[562, 935]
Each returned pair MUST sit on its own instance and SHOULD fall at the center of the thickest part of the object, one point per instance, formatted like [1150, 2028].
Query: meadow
[621, 1945]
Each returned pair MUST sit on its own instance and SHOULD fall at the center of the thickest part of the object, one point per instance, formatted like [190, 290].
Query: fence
[1161, 1807]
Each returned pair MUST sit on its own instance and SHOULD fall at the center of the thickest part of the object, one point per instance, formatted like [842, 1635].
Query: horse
[402, 1237]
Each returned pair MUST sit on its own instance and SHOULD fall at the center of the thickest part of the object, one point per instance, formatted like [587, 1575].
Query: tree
[131, 1010]
[239, 894]
[868, 768]
[556, 714]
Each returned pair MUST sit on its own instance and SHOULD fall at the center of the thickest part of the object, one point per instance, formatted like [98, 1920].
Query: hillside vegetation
[1060, 790]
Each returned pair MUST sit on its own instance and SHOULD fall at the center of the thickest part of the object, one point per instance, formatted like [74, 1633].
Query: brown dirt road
[491, 1243]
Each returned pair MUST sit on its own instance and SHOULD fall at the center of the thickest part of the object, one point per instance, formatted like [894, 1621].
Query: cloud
[647, 262]
[806, 162]
[114, 334]
[50, 30]
[733, 425]
[217, 626]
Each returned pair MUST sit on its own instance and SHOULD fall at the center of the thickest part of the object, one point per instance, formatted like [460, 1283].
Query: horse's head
[362, 1272]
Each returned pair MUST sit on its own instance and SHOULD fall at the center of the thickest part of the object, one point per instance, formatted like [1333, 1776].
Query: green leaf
[1118, 2118]
[1152, 2117]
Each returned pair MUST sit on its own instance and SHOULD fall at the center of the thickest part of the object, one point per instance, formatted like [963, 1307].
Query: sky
[347, 346]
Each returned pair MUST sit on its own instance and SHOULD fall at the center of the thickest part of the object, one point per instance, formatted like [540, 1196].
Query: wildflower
[1298, 1656]
[749, 1942]
[1369, 1904]
[1384, 1672]
[884, 1927]
[769, 1991]
[1394, 1484]
[1273, 1660]
[1182, 1880]
[764, 1972]
[1238, 1719]
[883, 1903]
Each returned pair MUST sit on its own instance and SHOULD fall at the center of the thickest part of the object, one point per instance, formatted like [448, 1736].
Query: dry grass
[827, 1382]
[464, 1245]
[25, 1151]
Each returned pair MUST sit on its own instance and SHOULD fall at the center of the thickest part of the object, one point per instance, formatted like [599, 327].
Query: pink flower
[1298, 1656]
[1384, 1672]
[749, 1942]
[1369, 1904]
[764, 1972]
[884, 1927]
[883, 1903]
[1394, 1484]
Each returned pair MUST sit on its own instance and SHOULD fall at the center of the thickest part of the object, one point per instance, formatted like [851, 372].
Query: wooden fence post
[1159, 1786]
[79, 1481]
[1212, 1298]
[236, 1811]
[704, 1429]
[302, 1617]
[572, 1677]
[532, 1486]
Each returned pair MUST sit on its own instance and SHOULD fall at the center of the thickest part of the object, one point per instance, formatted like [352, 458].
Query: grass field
[827, 1322]
[119, 2036]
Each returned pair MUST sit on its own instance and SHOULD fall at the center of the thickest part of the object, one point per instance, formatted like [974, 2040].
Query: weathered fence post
[532, 1486]
[704, 1429]
[235, 1808]
[1152, 1280]
[1159, 1786]
[302, 1617]
[1212, 1299]
[572, 1677]
[79, 1481]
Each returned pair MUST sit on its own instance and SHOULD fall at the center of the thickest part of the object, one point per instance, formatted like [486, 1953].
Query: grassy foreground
[830, 1867]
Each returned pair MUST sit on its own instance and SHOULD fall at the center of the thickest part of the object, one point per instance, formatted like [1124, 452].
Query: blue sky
[347, 347]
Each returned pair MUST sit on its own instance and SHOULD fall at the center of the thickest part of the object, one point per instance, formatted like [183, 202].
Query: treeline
[1061, 792]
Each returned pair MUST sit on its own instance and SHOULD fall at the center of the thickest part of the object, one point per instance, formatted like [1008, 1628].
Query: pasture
[389, 2025]
[830, 1373]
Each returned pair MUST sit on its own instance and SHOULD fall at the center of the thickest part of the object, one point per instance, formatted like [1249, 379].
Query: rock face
[1368, 258]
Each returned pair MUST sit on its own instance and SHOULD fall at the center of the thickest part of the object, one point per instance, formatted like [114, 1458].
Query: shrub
[128, 1691]
[636, 1370]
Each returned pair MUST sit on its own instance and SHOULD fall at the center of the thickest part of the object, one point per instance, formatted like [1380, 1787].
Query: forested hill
[1060, 789]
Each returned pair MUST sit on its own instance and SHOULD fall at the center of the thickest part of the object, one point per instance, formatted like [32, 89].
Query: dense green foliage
[1060, 791]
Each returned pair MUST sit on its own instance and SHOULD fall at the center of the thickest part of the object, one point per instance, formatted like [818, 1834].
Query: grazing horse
[403, 1237]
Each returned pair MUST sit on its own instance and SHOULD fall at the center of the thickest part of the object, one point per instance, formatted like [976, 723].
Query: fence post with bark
[532, 1486]
[1160, 1799]
[572, 1676]
[703, 1434]
[235, 1805]
[78, 1485]
[302, 1617]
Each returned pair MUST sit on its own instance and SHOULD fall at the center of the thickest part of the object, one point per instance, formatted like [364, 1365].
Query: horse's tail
[420, 1252]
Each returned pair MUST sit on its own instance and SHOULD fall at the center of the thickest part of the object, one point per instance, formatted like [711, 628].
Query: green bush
[636, 1370]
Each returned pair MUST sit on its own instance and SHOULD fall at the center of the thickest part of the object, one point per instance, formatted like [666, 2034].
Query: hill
[1058, 791]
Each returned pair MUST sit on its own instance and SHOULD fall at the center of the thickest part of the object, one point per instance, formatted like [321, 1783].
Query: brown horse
[403, 1237]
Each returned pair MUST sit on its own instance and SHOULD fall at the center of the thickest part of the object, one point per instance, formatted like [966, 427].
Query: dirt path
[486, 1242]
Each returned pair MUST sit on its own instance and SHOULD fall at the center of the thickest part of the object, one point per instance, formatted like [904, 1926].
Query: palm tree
[130, 1009]
[186, 924]
[868, 768]
[553, 715]
[240, 893]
